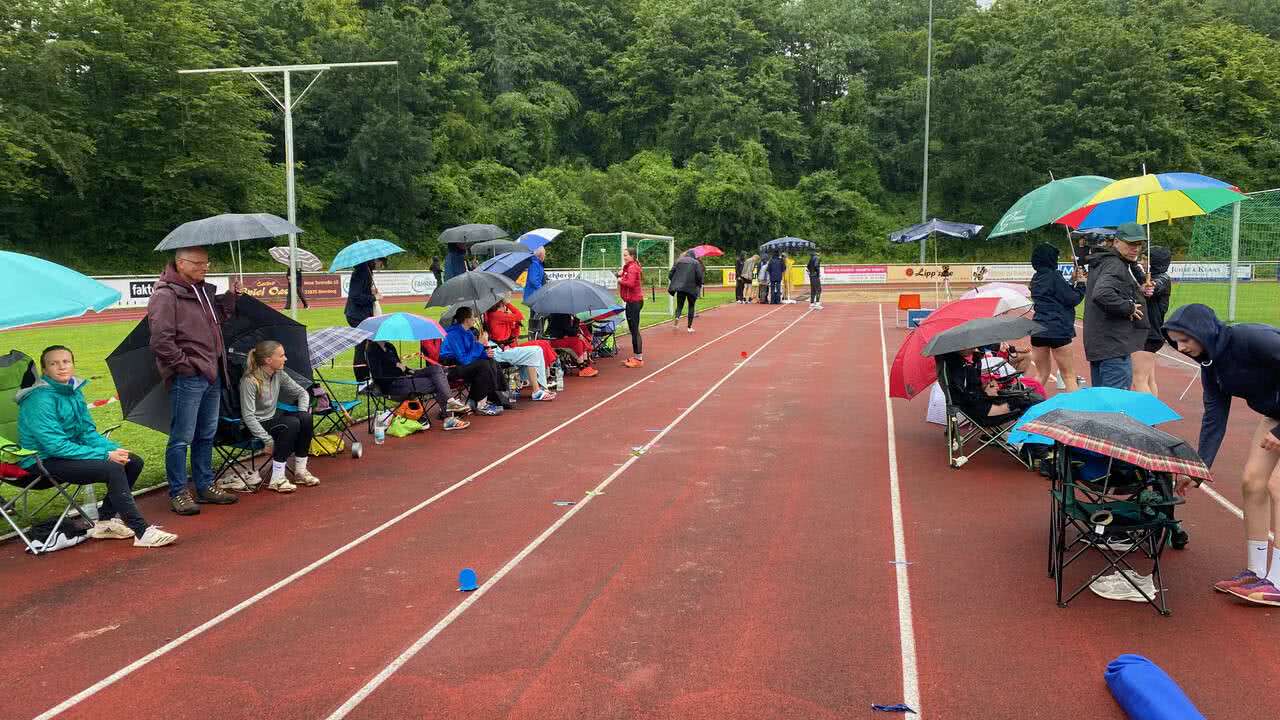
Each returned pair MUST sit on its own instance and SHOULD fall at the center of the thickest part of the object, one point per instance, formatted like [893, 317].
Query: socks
[1258, 551]
[1274, 575]
[277, 471]
[299, 464]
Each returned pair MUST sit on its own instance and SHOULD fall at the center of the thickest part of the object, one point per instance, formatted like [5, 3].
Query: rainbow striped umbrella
[1151, 198]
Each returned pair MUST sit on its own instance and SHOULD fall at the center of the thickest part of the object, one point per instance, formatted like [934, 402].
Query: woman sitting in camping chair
[568, 333]
[979, 394]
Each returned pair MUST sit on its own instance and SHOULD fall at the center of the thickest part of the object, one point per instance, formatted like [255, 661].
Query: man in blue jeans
[1115, 323]
[186, 319]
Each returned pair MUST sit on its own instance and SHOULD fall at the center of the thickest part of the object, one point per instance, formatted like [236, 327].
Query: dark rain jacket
[1158, 303]
[1240, 361]
[1110, 297]
[814, 266]
[1054, 298]
[776, 269]
[686, 276]
[360, 297]
[186, 327]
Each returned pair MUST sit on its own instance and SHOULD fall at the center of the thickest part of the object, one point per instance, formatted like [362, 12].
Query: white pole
[928, 85]
[1235, 262]
[671, 262]
[289, 192]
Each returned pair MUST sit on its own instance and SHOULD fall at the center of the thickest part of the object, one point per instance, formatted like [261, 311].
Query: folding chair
[604, 338]
[16, 372]
[330, 414]
[1125, 513]
[906, 302]
[237, 451]
[379, 395]
[968, 436]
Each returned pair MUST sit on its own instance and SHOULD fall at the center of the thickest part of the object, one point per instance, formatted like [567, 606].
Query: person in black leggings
[686, 284]
[631, 289]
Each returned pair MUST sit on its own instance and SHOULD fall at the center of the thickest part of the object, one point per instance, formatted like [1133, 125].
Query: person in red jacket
[631, 289]
[504, 320]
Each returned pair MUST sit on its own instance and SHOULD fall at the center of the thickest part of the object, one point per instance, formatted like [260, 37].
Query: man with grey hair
[186, 320]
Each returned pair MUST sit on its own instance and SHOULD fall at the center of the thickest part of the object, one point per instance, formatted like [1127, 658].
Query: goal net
[1240, 286]
[656, 253]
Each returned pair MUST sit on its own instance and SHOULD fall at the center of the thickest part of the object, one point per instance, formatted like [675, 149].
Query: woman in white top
[288, 432]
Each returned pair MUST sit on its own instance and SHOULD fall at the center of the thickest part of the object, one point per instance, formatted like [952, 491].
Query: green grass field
[92, 342]
[1255, 301]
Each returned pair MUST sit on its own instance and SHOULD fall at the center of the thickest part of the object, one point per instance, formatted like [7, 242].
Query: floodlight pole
[287, 104]
[928, 83]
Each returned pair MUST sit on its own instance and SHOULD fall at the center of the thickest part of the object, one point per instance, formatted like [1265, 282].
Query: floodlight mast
[287, 104]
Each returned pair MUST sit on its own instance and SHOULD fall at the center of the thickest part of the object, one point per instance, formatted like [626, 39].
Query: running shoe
[281, 485]
[457, 406]
[1116, 587]
[588, 372]
[154, 537]
[1263, 592]
[544, 396]
[305, 478]
[454, 423]
[1246, 577]
[489, 409]
[633, 363]
[113, 529]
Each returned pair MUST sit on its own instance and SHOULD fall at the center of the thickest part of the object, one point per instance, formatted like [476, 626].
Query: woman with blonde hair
[287, 432]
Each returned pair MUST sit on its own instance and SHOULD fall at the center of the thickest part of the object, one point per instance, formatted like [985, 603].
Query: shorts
[1153, 346]
[1049, 342]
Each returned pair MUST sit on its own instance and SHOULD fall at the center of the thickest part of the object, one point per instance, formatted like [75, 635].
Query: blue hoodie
[1239, 361]
[534, 279]
[461, 346]
[54, 421]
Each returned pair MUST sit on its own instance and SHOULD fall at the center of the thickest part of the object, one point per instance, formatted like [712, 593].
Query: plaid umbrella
[1121, 437]
[328, 343]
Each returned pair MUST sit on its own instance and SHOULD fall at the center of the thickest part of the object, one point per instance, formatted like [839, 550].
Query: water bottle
[89, 503]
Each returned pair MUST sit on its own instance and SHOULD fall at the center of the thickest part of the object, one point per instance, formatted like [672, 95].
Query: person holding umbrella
[362, 297]
[455, 261]
[686, 278]
[1157, 289]
[185, 317]
[1240, 361]
[631, 290]
[1115, 323]
[814, 266]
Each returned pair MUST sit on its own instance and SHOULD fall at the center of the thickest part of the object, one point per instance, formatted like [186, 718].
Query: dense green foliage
[723, 121]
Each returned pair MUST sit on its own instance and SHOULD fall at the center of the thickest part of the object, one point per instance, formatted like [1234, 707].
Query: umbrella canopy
[917, 232]
[35, 290]
[143, 396]
[593, 315]
[1009, 299]
[1120, 437]
[912, 371]
[226, 228]
[358, 253]
[983, 331]
[787, 244]
[1150, 198]
[327, 343]
[571, 296]
[402, 326]
[478, 308]
[707, 251]
[485, 288]
[306, 259]
[1047, 203]
[535, 239]
[471, 234]
[1019, 288]
[496, 247]
[1143, 407]
[511, 264]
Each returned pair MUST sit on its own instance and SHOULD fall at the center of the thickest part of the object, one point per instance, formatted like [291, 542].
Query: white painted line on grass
[474, 597]
[286, 581]
[906, 631]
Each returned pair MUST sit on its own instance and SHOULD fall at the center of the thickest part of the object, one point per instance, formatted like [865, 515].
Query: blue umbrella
[535, 239]
[402, 326]
[362, 252]
[33, 290]
[510, 264]
[1143, 407]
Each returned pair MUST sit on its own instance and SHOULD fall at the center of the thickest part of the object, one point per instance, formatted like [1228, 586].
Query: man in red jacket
[631, 289]
[186, 338]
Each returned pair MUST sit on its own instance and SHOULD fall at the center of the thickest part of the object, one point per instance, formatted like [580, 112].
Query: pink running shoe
[1247, 577]
[1263, 592]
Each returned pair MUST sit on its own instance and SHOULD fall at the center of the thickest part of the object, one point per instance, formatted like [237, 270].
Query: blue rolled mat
[1145, 692]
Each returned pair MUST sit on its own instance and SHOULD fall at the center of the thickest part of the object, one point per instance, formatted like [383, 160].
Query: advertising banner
[930, 274]
[854, 274]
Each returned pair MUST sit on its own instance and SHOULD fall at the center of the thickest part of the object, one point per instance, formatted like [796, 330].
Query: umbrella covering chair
[471, 234]
[1143, 407]
[1122, 512]
[358, 253]
[35, 290]
[476, 286]
[912, 371]
[330, 410]
[981, 332]
[382, 395]
[572, 296]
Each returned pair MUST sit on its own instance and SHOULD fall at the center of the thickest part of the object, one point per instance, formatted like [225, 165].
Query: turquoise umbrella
[33, 290]
[361, 252]
[1047, 203]
[1143, 407]
[402, 326]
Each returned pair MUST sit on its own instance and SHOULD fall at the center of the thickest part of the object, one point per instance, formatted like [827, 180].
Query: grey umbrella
[471, 234]
[983, 331]
[226, 228]
[477, 286]
[477, 308]
[497, 247]
[572, 296]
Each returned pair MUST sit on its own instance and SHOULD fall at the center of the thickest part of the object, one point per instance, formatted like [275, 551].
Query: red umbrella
[911, 371]
[707, 251]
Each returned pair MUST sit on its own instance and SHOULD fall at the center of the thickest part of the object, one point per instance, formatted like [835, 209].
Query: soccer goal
[1235, 257]
[656, 253]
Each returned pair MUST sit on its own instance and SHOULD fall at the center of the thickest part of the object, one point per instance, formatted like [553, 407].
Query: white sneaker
[154, 537]
[817, 306]
[457, 406]
[1115, 587]
[690, 329]
[282, 485]
[113, 529]
[1057, 381]
[305, 478]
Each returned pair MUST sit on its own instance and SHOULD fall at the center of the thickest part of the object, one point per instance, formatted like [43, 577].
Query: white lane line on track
[417, 646]
[286, 581]
[906, 630]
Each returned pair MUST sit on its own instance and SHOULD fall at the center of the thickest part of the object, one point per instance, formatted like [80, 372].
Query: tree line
[720, 121]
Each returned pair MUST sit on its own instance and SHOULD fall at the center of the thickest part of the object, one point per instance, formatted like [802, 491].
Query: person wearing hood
[1240, 361]
[686, 278]
[814, 266]
[185, 317]
[455, 261]
[1157, 288]
[1055, 302]
[1115, 310]
[54, 421]
[777, 268]
[473, 363]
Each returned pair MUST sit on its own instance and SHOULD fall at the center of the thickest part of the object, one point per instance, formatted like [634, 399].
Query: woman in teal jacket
[53, 420]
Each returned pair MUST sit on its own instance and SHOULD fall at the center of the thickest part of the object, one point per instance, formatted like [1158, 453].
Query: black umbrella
[143, 396]
[471, 234]
[1121, 437]
[787, 244]
[497, 247]
[477, 285]
[983, 331]
[572, 296]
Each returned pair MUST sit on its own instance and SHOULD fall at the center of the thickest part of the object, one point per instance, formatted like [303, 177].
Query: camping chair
[967, 436]
[16, 372]
[330, 414]
[1124, 514]
[380, 396]
[232, 443]
[604, 338]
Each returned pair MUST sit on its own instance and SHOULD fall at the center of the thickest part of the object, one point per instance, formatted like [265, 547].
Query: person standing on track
[776, 270]
[1240, 361]
[751, 285]
[297, 277]
[740, 281]
[686, 278]
[788, 284]
[814, 266]
[631, 290]
[1055, 302]
[1157, 289]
